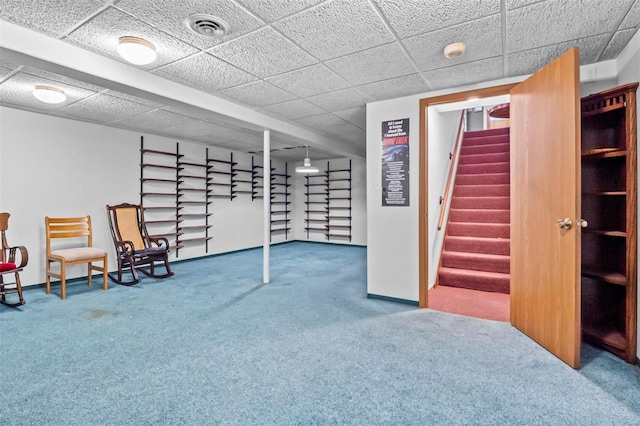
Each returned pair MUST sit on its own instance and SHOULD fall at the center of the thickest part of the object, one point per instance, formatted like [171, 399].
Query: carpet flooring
[473, 303]
[476, 244]
[213, 345]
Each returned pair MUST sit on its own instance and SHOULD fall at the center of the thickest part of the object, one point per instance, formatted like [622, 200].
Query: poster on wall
[395, 162]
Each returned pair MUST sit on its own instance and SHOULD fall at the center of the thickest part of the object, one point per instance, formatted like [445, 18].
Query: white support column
[266, 191]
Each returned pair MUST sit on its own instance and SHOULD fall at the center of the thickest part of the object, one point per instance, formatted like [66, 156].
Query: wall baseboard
[392, 299]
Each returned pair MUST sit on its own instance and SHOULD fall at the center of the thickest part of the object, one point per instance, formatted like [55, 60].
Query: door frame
[423, 186]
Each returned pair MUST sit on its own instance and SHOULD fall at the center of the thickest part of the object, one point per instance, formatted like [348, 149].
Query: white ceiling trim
[24, 46]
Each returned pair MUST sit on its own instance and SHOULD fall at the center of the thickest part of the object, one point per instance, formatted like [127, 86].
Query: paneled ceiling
[310, 63]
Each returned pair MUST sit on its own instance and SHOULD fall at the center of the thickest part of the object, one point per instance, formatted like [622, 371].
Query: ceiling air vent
[207, 25]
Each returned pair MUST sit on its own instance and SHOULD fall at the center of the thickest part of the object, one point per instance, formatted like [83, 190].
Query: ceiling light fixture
[136, 50]
[49, 94]
[454, 50]
[307, 167]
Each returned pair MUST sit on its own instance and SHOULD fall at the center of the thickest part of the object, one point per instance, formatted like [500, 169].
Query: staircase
[476, 243]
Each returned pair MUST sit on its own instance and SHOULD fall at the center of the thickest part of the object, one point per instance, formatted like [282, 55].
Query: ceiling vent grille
[207, 25]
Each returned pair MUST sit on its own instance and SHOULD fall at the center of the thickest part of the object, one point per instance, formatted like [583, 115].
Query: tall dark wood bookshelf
[609, 205]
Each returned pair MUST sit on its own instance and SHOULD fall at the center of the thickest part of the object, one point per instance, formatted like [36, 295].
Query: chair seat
[150, 251]
[81, 253]
[4, 267]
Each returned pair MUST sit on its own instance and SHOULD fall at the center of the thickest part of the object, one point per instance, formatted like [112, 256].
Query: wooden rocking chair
[9, 265]
[134, 246]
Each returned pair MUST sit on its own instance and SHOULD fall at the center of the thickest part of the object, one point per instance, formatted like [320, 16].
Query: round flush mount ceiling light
[454, 50]
[207, 25]
[49, 94]
[136, 50]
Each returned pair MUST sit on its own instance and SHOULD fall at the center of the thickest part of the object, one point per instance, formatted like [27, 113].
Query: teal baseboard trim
[392, 299]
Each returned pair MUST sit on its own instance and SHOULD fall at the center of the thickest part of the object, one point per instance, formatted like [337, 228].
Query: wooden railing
[452, 156]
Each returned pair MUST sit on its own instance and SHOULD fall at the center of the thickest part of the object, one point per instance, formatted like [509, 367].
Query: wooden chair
[9, 265]
[134, 246]
[76, 230]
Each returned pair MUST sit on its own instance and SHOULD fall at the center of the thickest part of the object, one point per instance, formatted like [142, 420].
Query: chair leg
[90, 271]
[105, 272]
[48, 277]
[63, 280]
[19, 289]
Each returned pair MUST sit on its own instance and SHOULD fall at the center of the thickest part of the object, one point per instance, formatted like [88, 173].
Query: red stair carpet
[471, 303]
[476, 244]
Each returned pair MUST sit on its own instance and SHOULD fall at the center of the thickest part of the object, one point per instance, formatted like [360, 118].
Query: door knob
[564, 223]
[581, 223]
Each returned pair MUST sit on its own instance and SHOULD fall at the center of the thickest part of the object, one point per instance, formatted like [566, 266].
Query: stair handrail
[452, 156]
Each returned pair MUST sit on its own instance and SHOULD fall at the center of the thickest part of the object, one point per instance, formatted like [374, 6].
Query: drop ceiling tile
[17, 91]
[336, 28]
[54, 18]
[530, 61]
[257, 94]
[309, 81]
[4, 72]
[514, 4]
[103, 109]
[205, 72]
[294, 109]
[101, 35]
[411, 17]
[7, 64]
[339, 100]
[632, 20]
[322, 122]
[169, 16]
[343, 130]
[378, 63]
[193, 130]
[587, 18]
[357, 116]
[263, 53]
[395, 88]
[355, 139]
[468, 73]
[61, 79]
[270, 10]
[617, 43]
[482, 37]
[155, 121]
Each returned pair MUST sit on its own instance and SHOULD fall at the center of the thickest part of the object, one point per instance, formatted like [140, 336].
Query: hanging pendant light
[307, 167]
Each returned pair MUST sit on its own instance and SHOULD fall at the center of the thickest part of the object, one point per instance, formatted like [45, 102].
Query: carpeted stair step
[470, 229]
[488, 132]
[483, 168]
[479, 215]
[501, 203]
[484, 149]
[476, 261]
[484, 179]
[483, 141]
[492, 157]
[481, 190]
[477, 245]
[476, 280]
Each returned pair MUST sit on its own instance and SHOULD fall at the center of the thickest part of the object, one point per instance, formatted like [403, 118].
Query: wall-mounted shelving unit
[193, 202]
[159, 195]
[220, 182]
[316, 203]
[280, 201]
[241, 179]
[257, 181]
[609, 204]
[339, 199]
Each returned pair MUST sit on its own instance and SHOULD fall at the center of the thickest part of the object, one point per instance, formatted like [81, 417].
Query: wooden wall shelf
[280, 201]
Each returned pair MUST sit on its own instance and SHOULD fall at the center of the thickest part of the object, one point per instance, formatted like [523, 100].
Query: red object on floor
[471, 303]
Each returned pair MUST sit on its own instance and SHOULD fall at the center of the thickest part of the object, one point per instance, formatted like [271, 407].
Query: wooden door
[545, 187]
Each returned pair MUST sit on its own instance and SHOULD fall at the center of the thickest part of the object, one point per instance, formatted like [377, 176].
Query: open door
[545, 190]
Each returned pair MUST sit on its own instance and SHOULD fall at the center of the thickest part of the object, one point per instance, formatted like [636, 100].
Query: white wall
[57, 167]
[443, 129]
[629, 72]
[392, 231]
[358, 202]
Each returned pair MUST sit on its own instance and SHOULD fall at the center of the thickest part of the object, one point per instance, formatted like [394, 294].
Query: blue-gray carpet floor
[213, 345]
